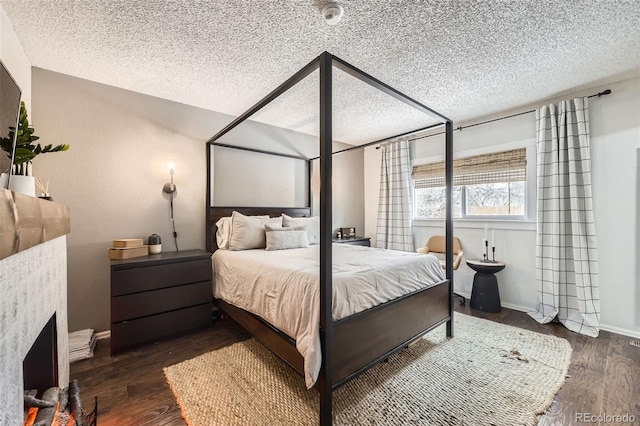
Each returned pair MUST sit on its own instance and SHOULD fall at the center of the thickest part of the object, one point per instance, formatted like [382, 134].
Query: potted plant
[26, 151]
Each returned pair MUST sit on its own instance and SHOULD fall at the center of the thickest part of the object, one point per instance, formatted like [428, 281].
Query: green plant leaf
[26, 150]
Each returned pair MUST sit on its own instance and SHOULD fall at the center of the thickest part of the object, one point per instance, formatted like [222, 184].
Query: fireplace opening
[44, 402]
[40, 366]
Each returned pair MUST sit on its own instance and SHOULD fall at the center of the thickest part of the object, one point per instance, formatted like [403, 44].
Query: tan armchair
[437, 246]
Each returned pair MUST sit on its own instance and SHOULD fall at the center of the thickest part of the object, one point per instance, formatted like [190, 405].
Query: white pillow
[248, 232]
[279, 238]
[223, 233]
[311, 223]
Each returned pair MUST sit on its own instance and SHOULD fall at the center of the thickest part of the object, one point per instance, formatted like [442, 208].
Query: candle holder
[493, 250]
[485, 255]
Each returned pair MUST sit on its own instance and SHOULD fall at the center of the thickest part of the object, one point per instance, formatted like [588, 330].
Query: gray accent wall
[112, 176]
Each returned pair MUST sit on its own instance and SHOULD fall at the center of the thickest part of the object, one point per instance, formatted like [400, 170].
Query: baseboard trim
[618, 330]
[604, 327]
[103, 335]
[517, 307]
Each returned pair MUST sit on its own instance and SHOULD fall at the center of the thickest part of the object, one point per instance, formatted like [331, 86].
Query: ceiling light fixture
[332, 13]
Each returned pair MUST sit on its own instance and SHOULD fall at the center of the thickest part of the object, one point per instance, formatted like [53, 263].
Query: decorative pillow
[311, 223]
[248, 232]
[223, 233]
[279, 238]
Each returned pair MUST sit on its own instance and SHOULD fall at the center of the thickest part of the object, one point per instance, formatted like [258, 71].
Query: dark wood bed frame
[354, 344]
[359, 341]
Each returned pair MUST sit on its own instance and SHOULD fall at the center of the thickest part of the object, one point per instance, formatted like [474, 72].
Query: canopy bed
[354, 341]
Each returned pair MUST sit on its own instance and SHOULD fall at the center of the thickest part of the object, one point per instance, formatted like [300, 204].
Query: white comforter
[283, 287]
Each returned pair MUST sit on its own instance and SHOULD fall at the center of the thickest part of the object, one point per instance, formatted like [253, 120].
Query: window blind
[506, 166]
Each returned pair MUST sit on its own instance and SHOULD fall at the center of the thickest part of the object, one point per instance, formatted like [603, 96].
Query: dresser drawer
[152, 302]
[135, 280]
[125, 335]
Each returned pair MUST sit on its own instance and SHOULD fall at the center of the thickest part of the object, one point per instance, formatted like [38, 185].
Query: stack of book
[81, 344]
[126, 248]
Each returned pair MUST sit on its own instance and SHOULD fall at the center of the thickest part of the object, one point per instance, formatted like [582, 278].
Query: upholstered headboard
[215, 213]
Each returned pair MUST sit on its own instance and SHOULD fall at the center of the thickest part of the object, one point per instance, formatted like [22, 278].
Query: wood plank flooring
[131, 388]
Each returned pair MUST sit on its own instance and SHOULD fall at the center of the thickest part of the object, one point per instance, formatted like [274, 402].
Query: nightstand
[485, 295]
[159, 295]
[356, 241]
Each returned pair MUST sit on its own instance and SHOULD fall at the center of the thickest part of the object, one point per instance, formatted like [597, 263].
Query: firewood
[30, 400]
[45, 415]
[64, 399]
[75, 403]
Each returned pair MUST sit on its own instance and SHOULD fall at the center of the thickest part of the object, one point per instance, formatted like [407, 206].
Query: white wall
[347, 189]
[14, 58]
[112, 176]
[615, 139]
[18, 65]
[258, 179]
[615, 129]
[246, 179]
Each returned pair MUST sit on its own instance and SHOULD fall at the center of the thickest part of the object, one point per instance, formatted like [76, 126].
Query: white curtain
[394, 205]
[566, 251]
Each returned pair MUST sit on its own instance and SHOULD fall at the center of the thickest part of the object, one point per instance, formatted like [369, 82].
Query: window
[484, 185]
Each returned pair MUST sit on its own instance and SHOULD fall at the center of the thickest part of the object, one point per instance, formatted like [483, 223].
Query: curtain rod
[603, 93]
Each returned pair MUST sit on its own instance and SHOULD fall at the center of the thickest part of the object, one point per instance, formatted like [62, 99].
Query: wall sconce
[170, 187]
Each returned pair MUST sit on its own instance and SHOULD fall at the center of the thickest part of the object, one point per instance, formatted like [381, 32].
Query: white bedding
[282, 287]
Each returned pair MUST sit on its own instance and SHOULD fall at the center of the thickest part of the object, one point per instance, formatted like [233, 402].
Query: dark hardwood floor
[131, 388]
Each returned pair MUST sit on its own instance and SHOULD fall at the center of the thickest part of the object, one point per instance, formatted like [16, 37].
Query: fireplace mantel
[33, 287]
[28, 221]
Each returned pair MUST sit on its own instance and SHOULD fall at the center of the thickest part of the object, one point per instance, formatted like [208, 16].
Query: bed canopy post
[336, 337]
[449, 222]
[326, 263]
[207, 196]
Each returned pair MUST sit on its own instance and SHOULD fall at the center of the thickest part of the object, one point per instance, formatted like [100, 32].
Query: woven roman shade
[506, 166]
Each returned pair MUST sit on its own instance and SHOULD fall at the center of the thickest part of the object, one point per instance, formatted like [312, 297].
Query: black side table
[485, 295]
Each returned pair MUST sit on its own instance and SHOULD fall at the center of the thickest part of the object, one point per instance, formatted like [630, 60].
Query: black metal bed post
[310, 185]
[448, 159]
[259, 151]
[326, 263]
[208, 201]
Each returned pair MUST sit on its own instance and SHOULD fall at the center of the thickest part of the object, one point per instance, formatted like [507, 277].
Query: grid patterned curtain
[566, 251]
[394, 205]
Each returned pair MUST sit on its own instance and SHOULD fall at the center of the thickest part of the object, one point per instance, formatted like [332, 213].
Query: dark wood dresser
[158, 296]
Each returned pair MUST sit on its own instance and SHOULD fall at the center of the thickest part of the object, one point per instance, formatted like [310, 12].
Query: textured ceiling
[464, 59]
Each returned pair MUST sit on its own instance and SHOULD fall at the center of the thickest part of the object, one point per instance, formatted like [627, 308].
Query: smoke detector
[332, 13]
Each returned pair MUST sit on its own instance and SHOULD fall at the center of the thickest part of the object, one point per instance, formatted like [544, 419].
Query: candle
[493, 238]
[485, 233]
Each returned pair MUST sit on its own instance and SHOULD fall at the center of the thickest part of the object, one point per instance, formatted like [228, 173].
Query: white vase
[23, 185]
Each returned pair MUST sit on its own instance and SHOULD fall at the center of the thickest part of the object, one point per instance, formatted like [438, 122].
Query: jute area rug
[488, 374]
